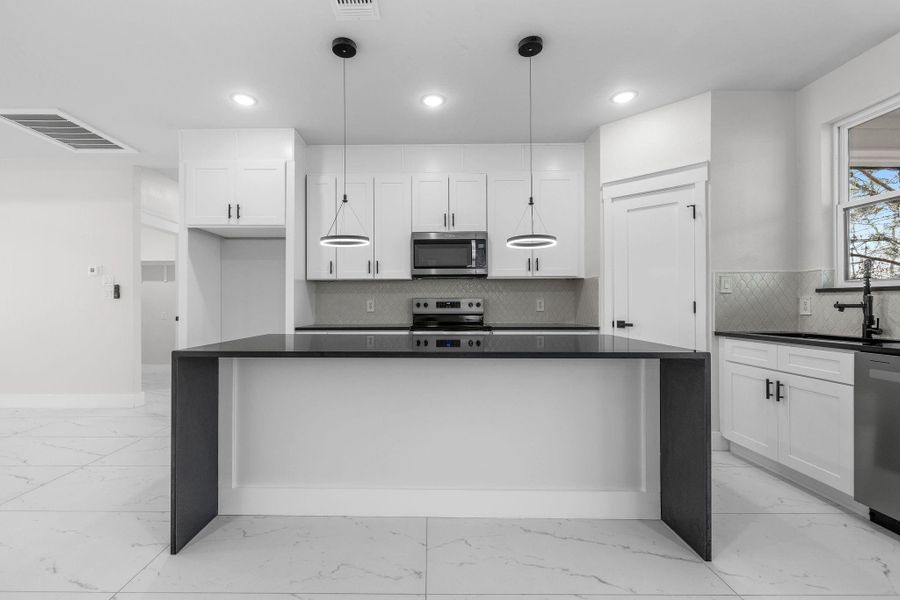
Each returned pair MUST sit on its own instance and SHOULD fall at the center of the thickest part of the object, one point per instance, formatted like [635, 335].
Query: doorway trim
[693, 176]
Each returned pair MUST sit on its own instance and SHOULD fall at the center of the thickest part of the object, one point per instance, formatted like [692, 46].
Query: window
[868, 211]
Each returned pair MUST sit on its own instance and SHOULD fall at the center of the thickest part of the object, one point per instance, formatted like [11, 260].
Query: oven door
[448, 255]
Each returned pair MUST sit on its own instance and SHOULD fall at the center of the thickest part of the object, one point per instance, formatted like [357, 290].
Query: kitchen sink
[824, 337]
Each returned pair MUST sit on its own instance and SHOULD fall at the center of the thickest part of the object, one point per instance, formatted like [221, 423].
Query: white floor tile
[489, 556]
[77, 552]
[57, 451]
[101, 427]
[574, 597]
[295, 554]
[55, 596]
[755, 491]
[152, 451]
[805, 554]
[233, 596]
[15, 423]
[15, 481]
[138, 489]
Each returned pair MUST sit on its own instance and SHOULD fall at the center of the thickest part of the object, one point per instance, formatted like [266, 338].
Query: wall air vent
[356, 10]
[64, 130]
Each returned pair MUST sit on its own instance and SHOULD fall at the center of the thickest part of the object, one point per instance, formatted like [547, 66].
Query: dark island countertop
[404, 346]
[406, 327]
[822, 340]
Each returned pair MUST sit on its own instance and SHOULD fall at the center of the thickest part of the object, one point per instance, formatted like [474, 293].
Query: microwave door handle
[474, 255]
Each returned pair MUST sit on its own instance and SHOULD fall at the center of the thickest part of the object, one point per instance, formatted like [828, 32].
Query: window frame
[841, 190]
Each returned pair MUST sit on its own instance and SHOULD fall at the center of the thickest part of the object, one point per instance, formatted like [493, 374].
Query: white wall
[58, 333]
[753, 191]
[158, 309]
[670, 137]
[860, 83]
[253, 283]
[158, 245]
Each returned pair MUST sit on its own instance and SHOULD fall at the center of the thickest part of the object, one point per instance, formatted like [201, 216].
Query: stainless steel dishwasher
[877, 437]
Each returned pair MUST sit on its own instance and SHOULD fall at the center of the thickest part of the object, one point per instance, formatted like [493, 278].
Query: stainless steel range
[449, 323]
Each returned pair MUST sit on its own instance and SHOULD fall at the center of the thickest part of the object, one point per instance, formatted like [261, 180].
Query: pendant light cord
[531, 140]
[344, 63]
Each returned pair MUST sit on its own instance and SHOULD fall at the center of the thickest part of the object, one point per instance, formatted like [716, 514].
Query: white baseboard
[719, 443]
[72, 400]
[510, 504]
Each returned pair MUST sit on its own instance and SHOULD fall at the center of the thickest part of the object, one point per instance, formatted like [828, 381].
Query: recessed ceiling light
[433, 100]
[624, 97]
[243, 99]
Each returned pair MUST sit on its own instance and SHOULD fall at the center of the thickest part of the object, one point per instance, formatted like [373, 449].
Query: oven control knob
[478, 304]
[470, 305]
[425, 343]
[418, 304]
[471, 343]
[418, 342]
[426, 305]
[478, 342]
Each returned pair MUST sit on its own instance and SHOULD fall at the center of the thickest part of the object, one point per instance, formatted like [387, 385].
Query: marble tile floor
[83, 516]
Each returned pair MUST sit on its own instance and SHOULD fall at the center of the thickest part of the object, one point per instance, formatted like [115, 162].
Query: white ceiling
[139, 70]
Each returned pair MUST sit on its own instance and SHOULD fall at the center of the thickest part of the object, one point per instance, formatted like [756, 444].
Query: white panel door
[468, 202]
[560, 212]
[653, 267]
[210, 189]
[508, 201]
[260, 192]
[357, 218]
[321, 201]
[393, 224]
[748, 417]
[430, 202]
[815, 430]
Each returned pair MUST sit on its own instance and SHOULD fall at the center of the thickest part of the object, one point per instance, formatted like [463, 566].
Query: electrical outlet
[725, 284]
[539, 305]
[805, 305]
[370, 305]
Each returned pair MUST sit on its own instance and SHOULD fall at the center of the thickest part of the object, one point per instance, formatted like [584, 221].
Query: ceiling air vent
[63, 129]
[356, 10]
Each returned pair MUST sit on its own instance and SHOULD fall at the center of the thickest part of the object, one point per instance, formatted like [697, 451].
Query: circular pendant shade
[531, 241]
[344, 241]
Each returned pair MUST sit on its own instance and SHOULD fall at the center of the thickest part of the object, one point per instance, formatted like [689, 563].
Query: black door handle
[768, 389]
[778, 395]
[229, 211]
[623, 324]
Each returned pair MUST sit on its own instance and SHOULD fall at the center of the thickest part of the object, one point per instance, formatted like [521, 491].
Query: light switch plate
[725, 284]
[94, 270]
[370, 305]
[805, 305]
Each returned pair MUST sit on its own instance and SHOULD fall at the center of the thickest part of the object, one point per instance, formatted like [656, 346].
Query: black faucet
[870, 325]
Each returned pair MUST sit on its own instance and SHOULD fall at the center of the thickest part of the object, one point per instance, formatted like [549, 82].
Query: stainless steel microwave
[449, 254]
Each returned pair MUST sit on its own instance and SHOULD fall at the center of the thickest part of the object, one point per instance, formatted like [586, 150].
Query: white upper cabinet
[239, 192]
[321, 202]
[209, 187]
[260, 193]
[430, 202]
[558, 202]
[357, 218]
[508, 195]
[468, 202]
[559, 210]
[393, 225]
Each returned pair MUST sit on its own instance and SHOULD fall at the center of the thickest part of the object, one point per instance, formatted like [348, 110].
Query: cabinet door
[815, 430]
[468, 202]
[393, 224]
[430, 203]
[209, 190]
[321, 200]
[508, 202]
[749, 419]
[260, 192]
[558, 202]
[356, 218]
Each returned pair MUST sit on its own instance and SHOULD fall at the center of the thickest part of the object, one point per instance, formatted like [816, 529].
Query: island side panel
[195, 447]
[685, 451]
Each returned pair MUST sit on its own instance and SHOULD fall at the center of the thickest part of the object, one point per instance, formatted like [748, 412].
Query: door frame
[695, 177]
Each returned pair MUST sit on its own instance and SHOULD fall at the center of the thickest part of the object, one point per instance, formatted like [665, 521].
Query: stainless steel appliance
[449, 324]
[449, 254]
[877, 437]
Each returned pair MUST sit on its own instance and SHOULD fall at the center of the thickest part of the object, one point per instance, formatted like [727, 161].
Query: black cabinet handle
[377, 266]
[239, 212]
[768, 389]
[778, 395]
[369, 268]
[445, 219]
[537, 264]
[623, 324]
[229, 211]
[330, 267]
[529, 265]
[453, 219]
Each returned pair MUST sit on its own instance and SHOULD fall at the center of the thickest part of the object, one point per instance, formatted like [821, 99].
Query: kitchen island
[484, 425]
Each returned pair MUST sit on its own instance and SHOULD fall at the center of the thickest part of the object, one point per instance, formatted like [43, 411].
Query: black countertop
[495, 327]
[838, 342]
[404, 346]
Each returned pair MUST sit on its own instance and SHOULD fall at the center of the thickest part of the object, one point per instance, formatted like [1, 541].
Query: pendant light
[344, 48]
[530, 47]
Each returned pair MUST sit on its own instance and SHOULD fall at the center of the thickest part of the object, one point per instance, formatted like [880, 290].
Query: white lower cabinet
[804, 423]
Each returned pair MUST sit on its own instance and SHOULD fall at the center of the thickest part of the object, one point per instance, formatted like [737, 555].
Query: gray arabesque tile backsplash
[769, 301]
[506, 301]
